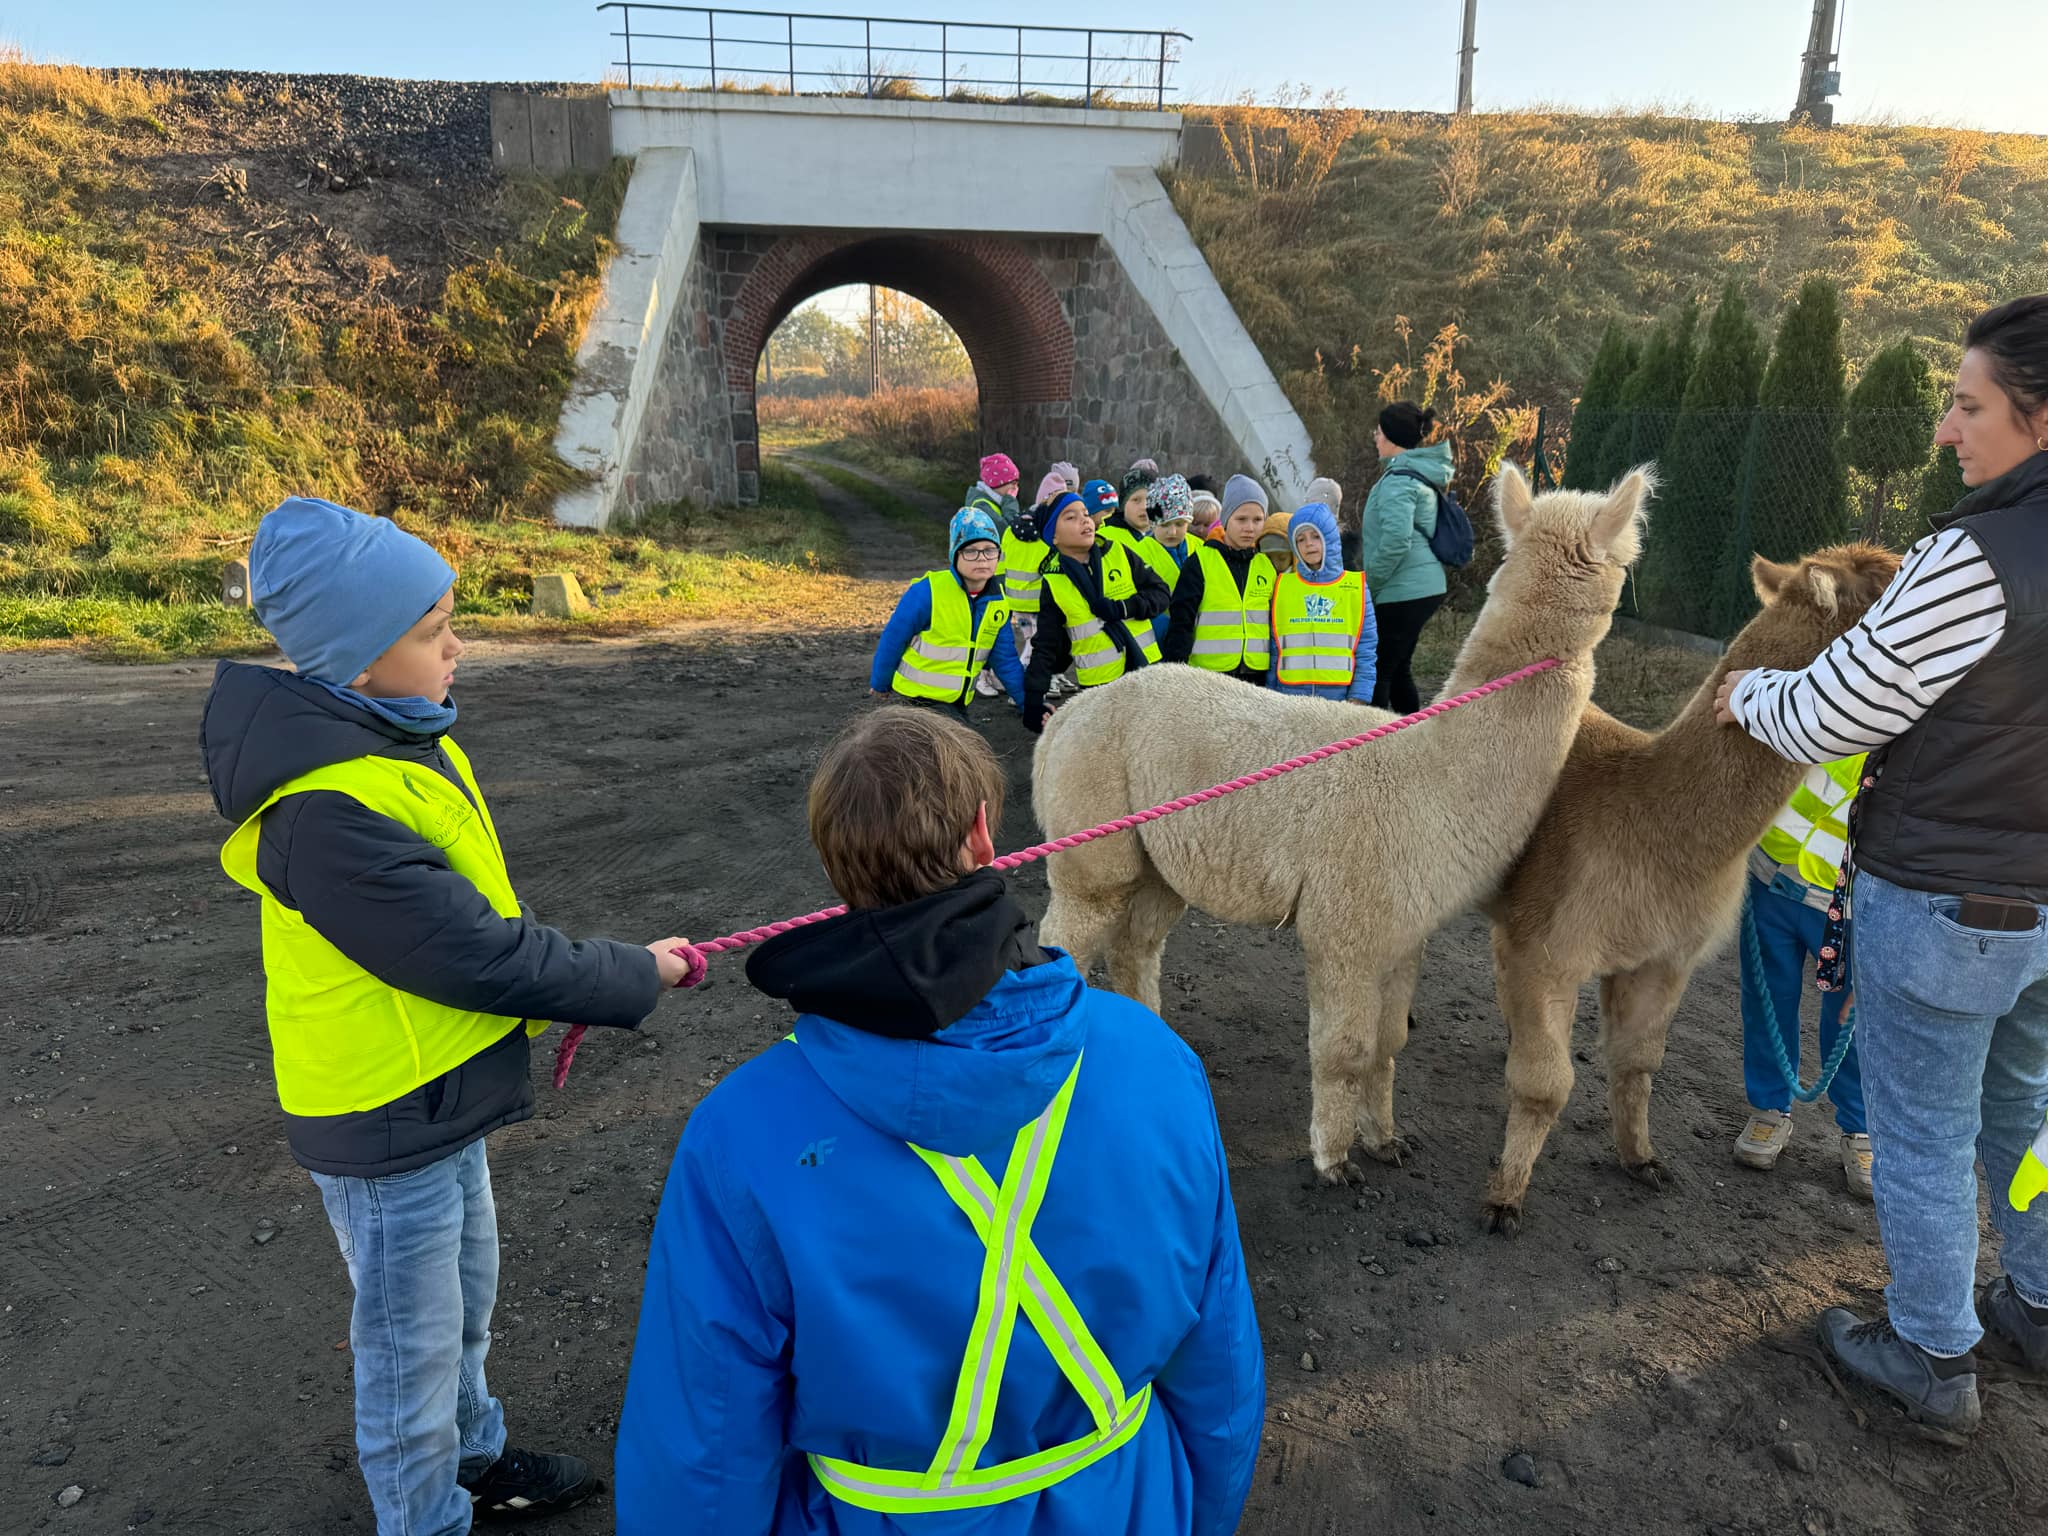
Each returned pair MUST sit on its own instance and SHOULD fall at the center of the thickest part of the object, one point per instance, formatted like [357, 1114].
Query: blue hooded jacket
[913, 616]
[1365, 654]
[811, 1287]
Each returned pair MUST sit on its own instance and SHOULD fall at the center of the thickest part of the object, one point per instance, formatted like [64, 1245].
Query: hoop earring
[2041, 443]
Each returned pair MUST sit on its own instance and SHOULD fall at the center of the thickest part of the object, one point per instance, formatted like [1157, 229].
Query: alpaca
[1635, 873]
[1367, 853]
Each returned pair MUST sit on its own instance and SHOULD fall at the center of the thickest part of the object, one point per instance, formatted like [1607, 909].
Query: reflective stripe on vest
[1316, 627]
[1098, 658]
[341, 1040]
[1014, 1276]
[1811, 832]
[1233, 628]
[1021, 580]
[940, 663]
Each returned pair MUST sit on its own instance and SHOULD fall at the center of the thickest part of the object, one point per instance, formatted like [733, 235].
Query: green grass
[1530, 231]
[929, 528]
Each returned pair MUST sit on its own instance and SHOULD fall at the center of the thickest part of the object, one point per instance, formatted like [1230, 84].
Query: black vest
[1961, 804]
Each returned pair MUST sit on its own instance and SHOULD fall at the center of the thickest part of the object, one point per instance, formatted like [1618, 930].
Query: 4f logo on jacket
[817, 1152]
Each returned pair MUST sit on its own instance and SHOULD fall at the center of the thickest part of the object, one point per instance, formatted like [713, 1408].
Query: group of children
[1093, 580]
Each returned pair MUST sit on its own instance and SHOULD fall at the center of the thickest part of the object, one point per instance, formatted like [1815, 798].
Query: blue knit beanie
[337, 589]
[970, 525]
[1100, 498]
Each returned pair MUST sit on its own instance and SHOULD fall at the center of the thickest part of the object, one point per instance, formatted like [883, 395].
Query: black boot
[1932, 1390]
[522, 1485]
[2013, 1331]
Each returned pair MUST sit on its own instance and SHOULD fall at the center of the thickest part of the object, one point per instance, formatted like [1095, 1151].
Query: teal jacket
[1395, 526]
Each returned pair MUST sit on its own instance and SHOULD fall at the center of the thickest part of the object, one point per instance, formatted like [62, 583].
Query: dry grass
[1530, 231]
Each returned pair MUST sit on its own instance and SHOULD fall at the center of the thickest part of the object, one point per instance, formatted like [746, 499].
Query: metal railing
[891, 57]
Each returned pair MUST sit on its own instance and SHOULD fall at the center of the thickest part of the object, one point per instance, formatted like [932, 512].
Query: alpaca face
[1568, 554]
[1810, 603]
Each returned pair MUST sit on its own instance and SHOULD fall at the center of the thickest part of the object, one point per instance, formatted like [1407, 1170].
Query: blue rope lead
[1755, 949]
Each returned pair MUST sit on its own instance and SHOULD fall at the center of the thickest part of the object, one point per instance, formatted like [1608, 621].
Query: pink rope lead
[697, 956]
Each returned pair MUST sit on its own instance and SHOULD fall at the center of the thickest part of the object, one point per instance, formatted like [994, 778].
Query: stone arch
[991, 290]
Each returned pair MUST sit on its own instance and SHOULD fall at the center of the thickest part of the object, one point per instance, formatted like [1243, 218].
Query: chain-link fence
[1737, 483]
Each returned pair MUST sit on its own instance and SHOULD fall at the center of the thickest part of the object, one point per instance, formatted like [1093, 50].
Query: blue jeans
[422, 1253]
[1953, 1028]
[1789, 933]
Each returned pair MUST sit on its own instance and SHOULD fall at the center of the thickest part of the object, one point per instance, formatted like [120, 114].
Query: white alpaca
[1432, 817]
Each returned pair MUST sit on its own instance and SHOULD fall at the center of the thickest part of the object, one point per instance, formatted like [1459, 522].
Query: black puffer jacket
[389, 901]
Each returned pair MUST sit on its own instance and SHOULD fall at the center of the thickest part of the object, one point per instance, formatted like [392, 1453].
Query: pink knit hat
[998, 470]
[1068, 474]
[1049, 487]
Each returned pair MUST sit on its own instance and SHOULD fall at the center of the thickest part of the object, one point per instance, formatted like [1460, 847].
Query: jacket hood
[1319, 517]
[979, 492]
[939, 1022]
[2025, 480]
[264, 726]
[1432, 462]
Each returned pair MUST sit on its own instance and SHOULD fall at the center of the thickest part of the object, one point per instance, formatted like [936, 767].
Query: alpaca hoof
[1342, 1175]
[1503, 1219]
[1394, 1151]
[1650, 1172]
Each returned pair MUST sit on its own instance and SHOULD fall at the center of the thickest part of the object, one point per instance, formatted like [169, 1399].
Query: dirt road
[173, 1338]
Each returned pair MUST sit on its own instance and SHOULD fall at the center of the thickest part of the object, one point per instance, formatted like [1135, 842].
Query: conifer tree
[1598, 414]
[1802, 491]
[1892, 413]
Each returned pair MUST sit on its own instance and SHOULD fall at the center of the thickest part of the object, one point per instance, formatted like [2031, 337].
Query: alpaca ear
[1769, 579]
[1826, 588]
[1617, 533]
[1511, 499]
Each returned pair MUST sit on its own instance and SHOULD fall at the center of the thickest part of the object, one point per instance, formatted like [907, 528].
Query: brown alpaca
[1635, 872]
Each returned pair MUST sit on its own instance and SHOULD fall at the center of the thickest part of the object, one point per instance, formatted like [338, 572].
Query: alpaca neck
[1736, 781]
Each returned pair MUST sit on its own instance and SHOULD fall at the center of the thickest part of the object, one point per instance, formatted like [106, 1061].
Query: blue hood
[1315, 515]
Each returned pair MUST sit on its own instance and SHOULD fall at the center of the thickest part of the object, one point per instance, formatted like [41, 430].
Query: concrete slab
[590, 133]
[512, 130]
[551, 153]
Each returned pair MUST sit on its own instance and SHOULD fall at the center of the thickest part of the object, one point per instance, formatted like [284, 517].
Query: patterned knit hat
[1142, 473]
[999, 470]
[1172, 501]
[970, 525]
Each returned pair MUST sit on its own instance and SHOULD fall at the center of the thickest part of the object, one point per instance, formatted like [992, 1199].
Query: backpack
[1451, 542]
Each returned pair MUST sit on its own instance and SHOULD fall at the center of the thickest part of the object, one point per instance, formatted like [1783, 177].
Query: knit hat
[1172, 501]
[1052, 485]
[1242, 489]
[1069, 474]
[1100, 496]
[1144, 472]
[337, 589]
[1326, 491]
[1206, 508]
[999, 470]
[970, 525]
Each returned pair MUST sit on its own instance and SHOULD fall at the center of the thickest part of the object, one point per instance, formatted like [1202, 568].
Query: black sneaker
[1942, 1393]
[523, 1485]
[2013, 1331]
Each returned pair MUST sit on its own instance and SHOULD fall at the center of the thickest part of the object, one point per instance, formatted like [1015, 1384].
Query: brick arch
[991, 291]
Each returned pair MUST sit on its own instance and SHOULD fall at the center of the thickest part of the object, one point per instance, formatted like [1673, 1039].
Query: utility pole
[874, 352]
[1465, 52]
[1818, 77]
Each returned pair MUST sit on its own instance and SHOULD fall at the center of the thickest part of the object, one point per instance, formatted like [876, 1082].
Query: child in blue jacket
[1325, 640]
[915, 658]
[964, 1241]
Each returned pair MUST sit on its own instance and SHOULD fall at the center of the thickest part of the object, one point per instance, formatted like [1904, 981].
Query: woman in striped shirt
[1943, 683]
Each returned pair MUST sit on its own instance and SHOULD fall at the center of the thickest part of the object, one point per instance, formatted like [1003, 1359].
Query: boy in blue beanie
[951, 624]
[402, 984]
[1324, 638]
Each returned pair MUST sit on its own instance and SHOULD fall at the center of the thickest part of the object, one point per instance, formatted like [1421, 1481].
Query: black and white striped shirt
[1941, 615]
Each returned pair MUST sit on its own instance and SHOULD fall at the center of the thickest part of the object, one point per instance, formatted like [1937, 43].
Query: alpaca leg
[1635, 1021]
[1539, 1011]
[1080, 924]
[1340, 1041]
[1140, 941]
[1393, 997]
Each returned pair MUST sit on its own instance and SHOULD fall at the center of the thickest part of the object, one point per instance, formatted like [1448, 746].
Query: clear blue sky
[1967, 62]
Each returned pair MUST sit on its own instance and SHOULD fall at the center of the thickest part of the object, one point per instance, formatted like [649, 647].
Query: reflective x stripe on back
[1014, 1275]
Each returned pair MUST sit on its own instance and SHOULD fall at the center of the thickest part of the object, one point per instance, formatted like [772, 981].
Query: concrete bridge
[1041, 234]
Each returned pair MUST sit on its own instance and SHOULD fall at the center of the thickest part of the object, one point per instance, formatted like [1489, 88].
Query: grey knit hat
[1242, 489]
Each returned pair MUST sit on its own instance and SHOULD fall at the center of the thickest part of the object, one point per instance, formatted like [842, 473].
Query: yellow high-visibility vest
[1098, 658]
[1232, 630]
[1316, 627]
[941, 662]
[1811, 832]
[1021, 578]
[340, 1039]
[1014, 1277]
[1147, 549]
